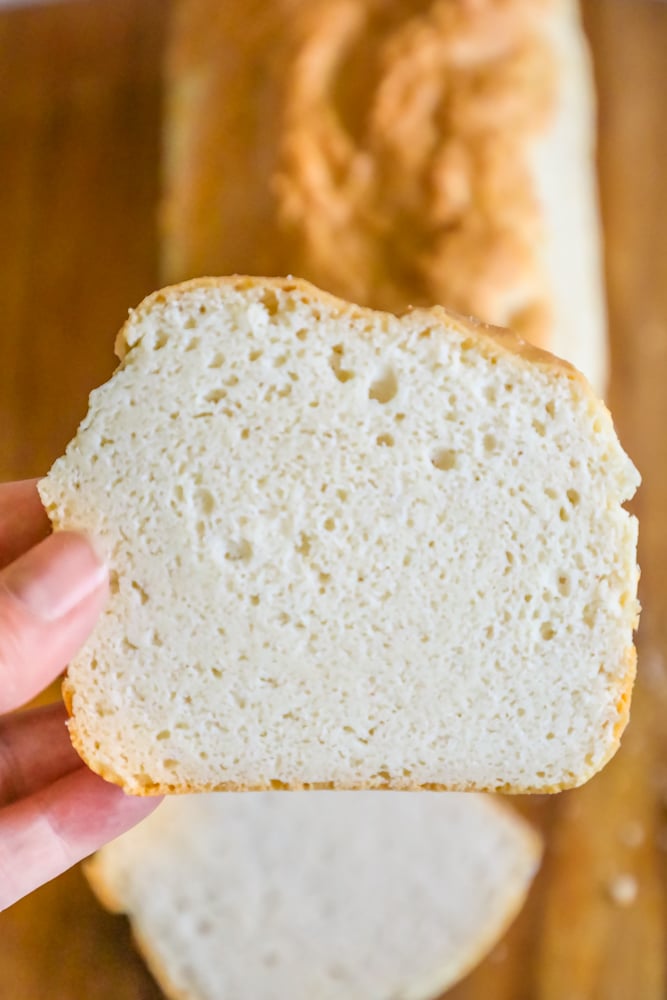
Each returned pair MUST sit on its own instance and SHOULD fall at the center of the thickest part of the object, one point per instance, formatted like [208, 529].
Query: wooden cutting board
[80, 104]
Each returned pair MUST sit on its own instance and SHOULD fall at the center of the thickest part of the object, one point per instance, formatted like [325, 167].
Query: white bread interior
[347, 550]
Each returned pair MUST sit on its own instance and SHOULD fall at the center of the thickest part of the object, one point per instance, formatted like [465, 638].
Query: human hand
[53, 809]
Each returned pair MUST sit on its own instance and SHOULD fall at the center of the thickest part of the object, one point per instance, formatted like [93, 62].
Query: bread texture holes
[385, 440]
[143, 596]
[205, 501]
[547, 631]
[384, 387]
[269, 300]
[240, 551]
[444, 459]
[336, 364]
[304, 545]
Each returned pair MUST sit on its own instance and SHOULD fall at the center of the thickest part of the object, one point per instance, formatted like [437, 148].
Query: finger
[23, 520]
[50, 599]
[45, 834]
[35, 750]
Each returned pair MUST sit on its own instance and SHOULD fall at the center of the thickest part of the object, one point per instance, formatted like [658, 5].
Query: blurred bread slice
[348, 550]
[348, 896]
[395, 154]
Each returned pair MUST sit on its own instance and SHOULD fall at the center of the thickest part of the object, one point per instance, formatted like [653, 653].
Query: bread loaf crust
[393, 155]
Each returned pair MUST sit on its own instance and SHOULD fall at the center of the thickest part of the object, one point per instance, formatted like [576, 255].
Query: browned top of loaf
[376, 147]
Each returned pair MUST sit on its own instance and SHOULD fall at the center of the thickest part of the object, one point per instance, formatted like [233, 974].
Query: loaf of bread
[394, 153]
[347, 550]
[348, 896]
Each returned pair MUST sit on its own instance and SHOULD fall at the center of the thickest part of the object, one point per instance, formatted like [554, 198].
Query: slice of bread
[393, 153]
[348, 896]
[347, 550]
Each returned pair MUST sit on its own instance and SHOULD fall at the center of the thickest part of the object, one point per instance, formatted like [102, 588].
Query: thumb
[49, 601]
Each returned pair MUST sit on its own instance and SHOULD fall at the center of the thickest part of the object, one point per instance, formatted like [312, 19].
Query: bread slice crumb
[347, 550]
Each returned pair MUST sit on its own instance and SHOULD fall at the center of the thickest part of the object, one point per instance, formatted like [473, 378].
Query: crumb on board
[622, 889]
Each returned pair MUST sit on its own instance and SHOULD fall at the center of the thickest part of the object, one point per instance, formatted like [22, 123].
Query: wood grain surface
[80, 105]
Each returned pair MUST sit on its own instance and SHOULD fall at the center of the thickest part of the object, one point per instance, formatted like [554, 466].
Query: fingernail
[56, 575]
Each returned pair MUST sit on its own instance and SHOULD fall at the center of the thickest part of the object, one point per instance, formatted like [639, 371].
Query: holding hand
[53, 809]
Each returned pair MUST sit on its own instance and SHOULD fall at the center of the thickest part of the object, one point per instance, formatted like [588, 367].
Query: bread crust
[491, 342]
[481, 194]
[438, 203]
